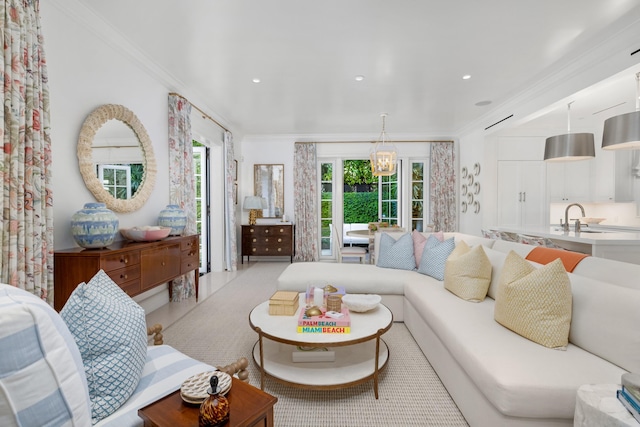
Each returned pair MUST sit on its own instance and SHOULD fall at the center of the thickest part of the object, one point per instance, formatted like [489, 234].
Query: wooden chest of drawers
[267, 240]
[135, 266]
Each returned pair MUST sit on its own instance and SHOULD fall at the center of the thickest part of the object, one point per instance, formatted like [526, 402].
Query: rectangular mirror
[268, 183]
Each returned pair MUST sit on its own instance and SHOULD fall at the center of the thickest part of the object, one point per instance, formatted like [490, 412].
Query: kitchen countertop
[589, 235]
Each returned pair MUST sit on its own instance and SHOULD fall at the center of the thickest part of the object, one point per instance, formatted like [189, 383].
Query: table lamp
[253, 204]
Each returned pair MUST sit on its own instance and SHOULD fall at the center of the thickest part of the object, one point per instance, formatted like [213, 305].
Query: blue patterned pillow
[111, 333]
[396, 253]
[41, 377]
[435, 256]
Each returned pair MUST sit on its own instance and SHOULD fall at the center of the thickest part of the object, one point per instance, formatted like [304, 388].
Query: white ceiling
[413, 54]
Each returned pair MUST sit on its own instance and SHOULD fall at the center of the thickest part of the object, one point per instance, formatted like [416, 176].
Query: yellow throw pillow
[467, 272]
[535, 303]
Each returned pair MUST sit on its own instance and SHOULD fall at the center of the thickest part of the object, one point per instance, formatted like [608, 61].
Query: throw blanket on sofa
[543, 255]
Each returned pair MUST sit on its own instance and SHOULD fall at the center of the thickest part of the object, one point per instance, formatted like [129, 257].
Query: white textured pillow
[110, 330]
[42, 380]
[396, 253]
[535, 303]
[467, 272]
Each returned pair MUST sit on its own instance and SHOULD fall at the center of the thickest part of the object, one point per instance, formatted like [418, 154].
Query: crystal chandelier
[383, 155]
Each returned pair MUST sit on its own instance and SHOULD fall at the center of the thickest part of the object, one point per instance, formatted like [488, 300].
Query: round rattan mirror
[88, 167]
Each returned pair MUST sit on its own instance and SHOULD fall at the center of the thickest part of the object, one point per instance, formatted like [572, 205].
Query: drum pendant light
[570, 146]
[623, 132]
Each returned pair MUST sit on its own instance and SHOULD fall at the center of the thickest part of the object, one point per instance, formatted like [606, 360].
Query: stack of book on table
[325, 323]
[629, 394]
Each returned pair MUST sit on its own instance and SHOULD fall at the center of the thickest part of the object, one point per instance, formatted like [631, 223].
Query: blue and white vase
[174, 217]
[94, 226]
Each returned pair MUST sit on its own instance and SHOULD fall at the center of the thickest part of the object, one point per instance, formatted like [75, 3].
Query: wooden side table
[249, 407]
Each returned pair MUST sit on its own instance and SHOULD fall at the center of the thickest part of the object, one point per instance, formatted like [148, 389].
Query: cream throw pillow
[535, 303]
[467, 272]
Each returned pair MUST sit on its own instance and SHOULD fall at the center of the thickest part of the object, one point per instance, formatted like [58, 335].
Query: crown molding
[95, 24]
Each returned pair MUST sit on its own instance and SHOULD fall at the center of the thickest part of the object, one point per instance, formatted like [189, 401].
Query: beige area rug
[217, 332]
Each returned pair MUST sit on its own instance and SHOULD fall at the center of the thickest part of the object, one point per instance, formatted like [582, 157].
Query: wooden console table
[135, 266]
[267, 240]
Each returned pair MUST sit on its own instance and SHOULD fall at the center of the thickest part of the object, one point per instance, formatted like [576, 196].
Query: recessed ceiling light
[359, 78]
[256, 80]
[466, 77]
[483, 103]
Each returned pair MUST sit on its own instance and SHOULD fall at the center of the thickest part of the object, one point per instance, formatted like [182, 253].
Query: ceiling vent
[499, 121]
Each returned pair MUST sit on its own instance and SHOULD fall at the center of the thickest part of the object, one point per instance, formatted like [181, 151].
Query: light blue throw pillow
[42, 380]
[435, 256]
[111, 333]
[396, 254]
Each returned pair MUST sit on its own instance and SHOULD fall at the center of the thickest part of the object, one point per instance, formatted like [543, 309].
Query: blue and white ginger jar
[173, 216]
[94, 226]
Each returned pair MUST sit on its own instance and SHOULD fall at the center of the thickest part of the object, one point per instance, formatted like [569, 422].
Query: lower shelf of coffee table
[353, 364]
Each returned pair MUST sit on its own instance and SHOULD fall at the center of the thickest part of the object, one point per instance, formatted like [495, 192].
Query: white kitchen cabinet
[521, 193]
[604, 185]
[569, 181]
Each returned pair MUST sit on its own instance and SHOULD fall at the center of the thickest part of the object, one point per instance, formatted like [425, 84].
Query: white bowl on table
[361, 303]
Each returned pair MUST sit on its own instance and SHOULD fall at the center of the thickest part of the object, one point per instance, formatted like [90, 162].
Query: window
[418, 193]
[326, 209]
[200, 168]
[116, 179]
[389, 200]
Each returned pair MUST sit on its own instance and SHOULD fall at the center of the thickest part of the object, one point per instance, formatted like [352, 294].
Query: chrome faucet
[565, 226]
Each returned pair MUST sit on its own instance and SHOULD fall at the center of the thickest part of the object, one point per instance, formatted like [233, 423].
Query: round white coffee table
[359, 355]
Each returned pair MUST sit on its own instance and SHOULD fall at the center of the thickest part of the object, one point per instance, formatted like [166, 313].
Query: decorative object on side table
[145, 233]
[361, 303]
[194, 390]
[284, 303]
[173, 216]
[253, 204]
[94, 226]
[214, 411]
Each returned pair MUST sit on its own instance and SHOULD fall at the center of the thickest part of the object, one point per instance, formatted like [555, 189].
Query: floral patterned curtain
[182, 186]
[25, 160]
[230, 246]
[305, 195]
[442, 182]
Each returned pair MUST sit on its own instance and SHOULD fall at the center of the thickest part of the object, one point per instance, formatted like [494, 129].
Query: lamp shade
[569, 147]
[622, 132]
[253, 202]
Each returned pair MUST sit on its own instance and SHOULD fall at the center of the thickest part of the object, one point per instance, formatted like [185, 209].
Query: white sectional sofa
[495, 376]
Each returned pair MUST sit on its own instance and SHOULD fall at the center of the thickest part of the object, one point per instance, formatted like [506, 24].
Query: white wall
[84, 73]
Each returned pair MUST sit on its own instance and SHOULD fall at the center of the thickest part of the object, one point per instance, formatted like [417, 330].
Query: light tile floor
[209, 283]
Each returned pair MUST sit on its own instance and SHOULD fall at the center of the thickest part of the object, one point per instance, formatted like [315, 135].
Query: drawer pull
[253, 249]
[255, 240]
[163, 263]
[124, 276]
[282, 230]
[266, 231]
[279, 249]
[266, 240]
[266, 249]
[124, 260]
[279, 240]
[251, 230]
